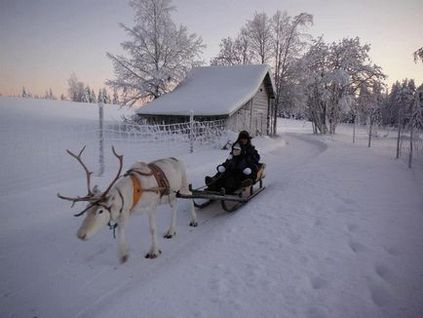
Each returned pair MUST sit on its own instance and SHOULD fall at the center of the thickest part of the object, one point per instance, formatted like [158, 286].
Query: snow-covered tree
[115, 100]
[76, 89]
[397, 105]
[106, 96]
[337, 71]
[332, 77]
[259, 34]
[418, 55]
[288, 43]
[233, 52]
[49, 94]
[100, 98]
[24, 93]
[103, 96]
[314, 77]
[418, 108]
[160, 53]
[278, 41]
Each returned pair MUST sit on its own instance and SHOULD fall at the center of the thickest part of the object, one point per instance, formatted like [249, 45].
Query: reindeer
[143, 187]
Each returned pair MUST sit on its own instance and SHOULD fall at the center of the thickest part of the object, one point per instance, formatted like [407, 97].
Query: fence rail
[389, 138]
[196, 132]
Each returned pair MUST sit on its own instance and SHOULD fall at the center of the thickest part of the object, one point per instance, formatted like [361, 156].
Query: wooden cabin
[241, 95]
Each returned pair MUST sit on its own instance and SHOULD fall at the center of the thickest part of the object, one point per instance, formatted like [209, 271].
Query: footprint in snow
[318, 222]
[316, 312]
[383, 272]
[352, 227]
[392, 251]
[356, 247]
[380, 295]
[318, 282]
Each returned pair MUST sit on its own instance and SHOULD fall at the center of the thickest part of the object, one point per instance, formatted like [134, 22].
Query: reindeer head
[101, 206]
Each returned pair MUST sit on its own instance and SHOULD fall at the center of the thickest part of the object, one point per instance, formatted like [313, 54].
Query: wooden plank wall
[253, 115]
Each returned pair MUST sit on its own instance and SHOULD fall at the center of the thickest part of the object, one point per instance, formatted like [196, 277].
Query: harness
[163, 188]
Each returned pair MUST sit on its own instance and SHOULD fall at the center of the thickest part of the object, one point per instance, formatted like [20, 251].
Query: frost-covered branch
[159, 53]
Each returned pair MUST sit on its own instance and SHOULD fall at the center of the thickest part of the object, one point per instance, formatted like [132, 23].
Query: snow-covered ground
[337, 232]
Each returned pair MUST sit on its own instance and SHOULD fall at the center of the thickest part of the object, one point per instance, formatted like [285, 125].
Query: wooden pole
[412, 122]
[191, 132]
[399, 133]
[101, 139]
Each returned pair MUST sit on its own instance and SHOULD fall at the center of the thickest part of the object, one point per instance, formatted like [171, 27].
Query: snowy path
[337, 233]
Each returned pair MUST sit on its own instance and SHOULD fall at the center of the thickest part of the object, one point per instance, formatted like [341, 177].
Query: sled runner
[229, 201]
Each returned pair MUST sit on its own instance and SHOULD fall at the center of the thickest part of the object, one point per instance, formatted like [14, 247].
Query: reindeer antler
[120, 158]
[90, 196]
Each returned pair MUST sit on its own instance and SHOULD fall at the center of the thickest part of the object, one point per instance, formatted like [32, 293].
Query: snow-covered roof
[211, 90]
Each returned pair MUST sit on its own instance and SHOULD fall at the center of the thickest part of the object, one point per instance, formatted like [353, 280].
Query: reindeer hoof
[124, 259]
[193, 224]
[169, 235]
[153, 255]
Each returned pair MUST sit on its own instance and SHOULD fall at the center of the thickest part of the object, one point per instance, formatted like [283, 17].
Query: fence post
[399, 133]
[191, 132]
[412, 123]
[101, 139]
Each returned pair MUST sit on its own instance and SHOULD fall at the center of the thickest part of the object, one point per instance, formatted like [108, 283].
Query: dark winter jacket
[249, 158]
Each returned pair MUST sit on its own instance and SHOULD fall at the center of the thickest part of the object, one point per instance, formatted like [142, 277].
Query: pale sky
[43, 41]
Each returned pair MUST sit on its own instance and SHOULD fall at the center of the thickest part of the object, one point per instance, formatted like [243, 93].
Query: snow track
[337, 233]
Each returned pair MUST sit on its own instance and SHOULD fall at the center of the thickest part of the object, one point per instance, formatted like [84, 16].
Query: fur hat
[244, 134]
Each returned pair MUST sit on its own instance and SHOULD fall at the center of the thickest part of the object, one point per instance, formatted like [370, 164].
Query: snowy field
[337, 232]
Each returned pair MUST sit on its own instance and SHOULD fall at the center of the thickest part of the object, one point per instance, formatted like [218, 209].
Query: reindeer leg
[154, 250]
[193, 222]
[172, 228]
[123, 248]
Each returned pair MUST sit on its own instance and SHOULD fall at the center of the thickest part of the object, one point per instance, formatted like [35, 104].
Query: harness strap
[161, 179]
[142, 173]
[137, 193]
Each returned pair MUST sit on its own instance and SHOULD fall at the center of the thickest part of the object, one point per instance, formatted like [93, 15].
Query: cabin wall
[253, 116]
[241, 119]
[260, 111]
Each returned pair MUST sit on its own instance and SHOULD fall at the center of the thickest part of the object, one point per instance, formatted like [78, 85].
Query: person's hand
[221, 169]
[247, 171]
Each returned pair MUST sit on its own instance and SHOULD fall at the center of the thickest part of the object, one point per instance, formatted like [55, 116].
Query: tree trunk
[370, 131]
[354, 117]
[410, 155]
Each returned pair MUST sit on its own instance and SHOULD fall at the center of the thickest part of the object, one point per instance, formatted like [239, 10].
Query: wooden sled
[229, 202]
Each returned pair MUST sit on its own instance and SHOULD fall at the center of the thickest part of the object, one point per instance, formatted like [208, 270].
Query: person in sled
[240, 169]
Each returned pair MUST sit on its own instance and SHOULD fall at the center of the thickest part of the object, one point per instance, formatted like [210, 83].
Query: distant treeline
[77, 92]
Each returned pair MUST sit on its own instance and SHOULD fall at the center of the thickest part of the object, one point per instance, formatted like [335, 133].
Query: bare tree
[259, 34]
